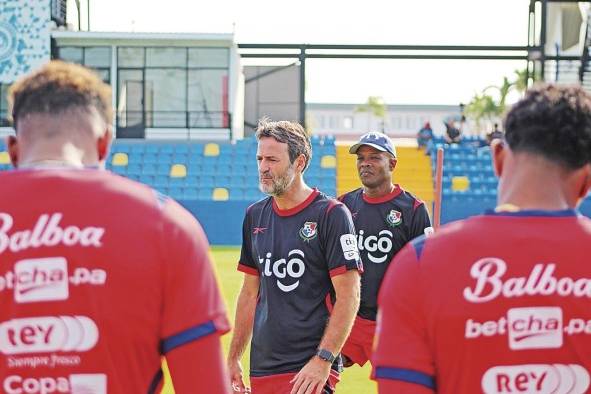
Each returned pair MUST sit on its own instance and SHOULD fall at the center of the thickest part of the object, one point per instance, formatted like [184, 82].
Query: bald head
[62, 112]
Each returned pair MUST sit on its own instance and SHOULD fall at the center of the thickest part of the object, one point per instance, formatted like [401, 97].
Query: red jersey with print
[384, 225]
[294, 252]
[99, 277]
[498, 303]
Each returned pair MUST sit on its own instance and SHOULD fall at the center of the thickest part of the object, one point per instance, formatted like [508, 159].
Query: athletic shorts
[358, 347]
[280, 384]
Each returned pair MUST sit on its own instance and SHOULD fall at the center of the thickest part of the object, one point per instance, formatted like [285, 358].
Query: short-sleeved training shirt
[99, 277]
[384, 225]
[498, 303]
[295, 253]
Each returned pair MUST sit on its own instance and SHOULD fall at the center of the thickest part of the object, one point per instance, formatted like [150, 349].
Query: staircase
[413, 171]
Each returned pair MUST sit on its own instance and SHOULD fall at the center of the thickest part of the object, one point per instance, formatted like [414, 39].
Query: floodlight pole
[302, 59]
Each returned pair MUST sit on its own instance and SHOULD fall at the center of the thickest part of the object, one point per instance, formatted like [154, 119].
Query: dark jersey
[295, 252]
[384, 225]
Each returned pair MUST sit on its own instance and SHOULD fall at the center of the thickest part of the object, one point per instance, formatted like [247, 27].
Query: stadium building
[186, 108]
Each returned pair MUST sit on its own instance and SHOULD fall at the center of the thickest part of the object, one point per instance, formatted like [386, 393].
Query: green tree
[375, 106]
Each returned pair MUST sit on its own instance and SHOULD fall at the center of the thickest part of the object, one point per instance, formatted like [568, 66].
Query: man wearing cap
[386, 218]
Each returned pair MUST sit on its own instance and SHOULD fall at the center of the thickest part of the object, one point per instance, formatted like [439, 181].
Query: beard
[279, 183]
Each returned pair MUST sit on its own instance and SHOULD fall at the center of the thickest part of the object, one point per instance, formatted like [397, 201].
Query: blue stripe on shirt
[406, 375]
[189, 335]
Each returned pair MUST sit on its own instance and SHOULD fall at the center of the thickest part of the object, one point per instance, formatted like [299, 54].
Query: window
[130, 57]
[173, 87]
[166, 57]
[166, 97]
[4, 105]
[208, 57]
[208, 98]
[348, 122]
[96, 58]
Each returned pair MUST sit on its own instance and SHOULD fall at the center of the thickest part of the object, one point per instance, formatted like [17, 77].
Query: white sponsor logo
[75, 384]
[535, 328]
[382, 243]
[349, 246]
[429, 231]
[48, 334]
[536, 378]
[46, 232]
[526, 328]
[46, 279]
[490, 282]
[293, 268]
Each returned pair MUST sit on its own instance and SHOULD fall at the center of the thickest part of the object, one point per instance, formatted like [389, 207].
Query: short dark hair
[554, 122]
[58, 87]
[290, 133]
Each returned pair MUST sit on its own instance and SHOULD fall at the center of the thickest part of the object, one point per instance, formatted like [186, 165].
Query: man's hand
[312, 378]
[235, 371]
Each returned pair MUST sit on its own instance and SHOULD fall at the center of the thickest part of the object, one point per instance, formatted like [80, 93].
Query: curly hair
[554, 122]
[290, 133]
[58, 87]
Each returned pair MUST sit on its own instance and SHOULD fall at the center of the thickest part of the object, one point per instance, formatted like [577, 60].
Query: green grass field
[354, 380]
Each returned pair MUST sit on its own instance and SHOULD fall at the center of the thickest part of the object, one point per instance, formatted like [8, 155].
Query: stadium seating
[467, 171]
[192, 171]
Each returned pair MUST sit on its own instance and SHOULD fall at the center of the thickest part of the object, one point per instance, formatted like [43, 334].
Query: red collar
[378, 200]
[298, 208]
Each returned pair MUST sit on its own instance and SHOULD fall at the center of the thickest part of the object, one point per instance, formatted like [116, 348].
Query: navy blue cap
[380, 141]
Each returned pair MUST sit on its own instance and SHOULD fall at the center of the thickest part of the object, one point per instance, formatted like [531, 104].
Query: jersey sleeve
[340, 242]
[420, 222]
[246, 263]
[402, 355]
[192, 304]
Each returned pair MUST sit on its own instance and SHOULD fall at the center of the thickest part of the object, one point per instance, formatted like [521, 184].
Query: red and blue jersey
[295, 253]
[498, 303]
[384, 225]
[99, 277]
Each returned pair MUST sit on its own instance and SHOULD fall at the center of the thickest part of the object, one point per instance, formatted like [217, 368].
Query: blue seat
[206, 181]
[148, 169]
[236, 193]
[223, 169]
[181, 148]
[176, 193]
[150, 158]
[164, 157]
[192, 181]
[147, 179]
[176, 182]
[116, 170]
[161, 181]
[190, 194]
[137, 148]
[237, 182]
[134, 168]
[163, 169]
[166, 148]
[204, 193]
[152, 148]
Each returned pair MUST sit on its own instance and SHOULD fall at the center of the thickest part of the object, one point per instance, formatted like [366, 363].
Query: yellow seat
[120, 159]
[178, 171]
[220, 194]
[4, 158]
[328, 161]
[460, 183]
[211, 149]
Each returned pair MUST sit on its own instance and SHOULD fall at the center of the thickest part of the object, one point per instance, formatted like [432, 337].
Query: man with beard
[299, 254]
[386, 217]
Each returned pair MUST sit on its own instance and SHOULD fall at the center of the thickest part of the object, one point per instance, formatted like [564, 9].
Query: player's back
[82, 275]
[507, 303]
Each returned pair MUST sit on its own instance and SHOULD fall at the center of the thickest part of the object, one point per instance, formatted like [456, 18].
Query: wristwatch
[326, 355]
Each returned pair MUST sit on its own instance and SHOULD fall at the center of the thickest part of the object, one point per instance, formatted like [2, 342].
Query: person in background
[386, 217]
[425, 137]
